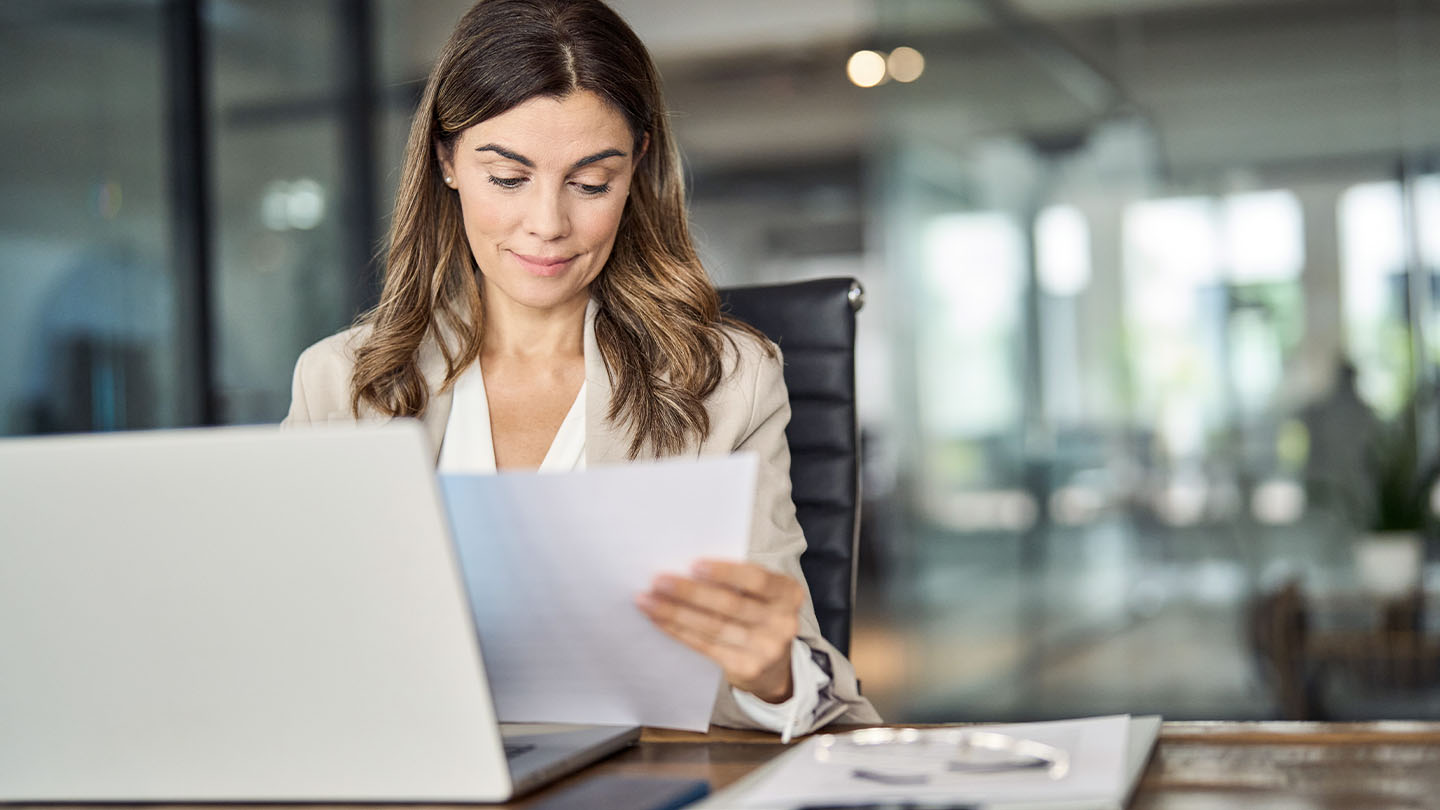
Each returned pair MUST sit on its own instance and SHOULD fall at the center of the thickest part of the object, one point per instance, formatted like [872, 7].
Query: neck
[521, 332]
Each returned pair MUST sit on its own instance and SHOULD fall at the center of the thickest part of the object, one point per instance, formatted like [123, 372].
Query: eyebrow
[524, 161]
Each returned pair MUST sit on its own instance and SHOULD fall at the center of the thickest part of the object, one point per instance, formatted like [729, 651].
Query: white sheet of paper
[1096, 745]
[553, 564]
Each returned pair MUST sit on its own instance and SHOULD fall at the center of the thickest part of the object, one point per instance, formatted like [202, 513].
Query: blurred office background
[1149, 352]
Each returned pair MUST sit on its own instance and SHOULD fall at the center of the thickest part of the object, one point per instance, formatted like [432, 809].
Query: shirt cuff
[810, 698]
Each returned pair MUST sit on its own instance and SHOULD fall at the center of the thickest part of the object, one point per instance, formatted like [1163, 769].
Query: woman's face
[542, 188]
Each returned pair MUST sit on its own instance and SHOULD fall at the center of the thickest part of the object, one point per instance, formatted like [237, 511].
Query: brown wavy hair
[658, 325]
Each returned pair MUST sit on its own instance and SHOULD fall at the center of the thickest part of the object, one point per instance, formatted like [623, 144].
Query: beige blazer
[748, 411]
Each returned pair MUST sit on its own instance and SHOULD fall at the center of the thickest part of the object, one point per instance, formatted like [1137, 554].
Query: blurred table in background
[1345, 656]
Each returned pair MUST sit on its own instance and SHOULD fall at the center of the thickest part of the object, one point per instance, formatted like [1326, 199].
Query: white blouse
[469, 448]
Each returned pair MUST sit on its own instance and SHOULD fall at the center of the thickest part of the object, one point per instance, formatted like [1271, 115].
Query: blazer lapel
[605, 442]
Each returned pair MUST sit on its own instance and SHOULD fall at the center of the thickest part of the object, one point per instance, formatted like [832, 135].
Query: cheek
[482, 217]
[601, 223]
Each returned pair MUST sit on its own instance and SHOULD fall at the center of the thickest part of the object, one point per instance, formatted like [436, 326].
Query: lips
[543, 265]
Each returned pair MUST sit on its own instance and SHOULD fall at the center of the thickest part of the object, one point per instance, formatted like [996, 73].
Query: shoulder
[752, 369]
[751, 389]
[334, 354]
[744, 355]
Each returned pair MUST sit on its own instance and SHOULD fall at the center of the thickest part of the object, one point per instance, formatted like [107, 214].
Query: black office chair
[814, 324]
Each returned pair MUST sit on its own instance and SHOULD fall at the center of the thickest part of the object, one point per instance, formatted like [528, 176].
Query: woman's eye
[594, 191]
[507, 182]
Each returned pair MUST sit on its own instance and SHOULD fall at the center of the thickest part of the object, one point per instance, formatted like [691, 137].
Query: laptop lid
[236, 614]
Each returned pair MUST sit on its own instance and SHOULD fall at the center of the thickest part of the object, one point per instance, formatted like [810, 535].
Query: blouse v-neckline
[469, 445]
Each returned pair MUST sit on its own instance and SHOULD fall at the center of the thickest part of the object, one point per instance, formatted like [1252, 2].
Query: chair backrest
[814, 324]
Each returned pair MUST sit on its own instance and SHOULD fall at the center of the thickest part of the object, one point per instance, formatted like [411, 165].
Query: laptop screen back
[236, 614]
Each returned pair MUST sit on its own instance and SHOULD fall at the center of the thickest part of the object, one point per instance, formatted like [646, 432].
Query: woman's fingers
[752, 580]
[740, 615]
[714, 598]
[728, 656]
[672, 611]
[747, 667]
[736, 594]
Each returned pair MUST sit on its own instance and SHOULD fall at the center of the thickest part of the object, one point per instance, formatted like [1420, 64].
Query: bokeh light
[866, 68]
[905, 64]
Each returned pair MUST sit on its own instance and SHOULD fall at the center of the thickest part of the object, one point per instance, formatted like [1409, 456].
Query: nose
[546, 216]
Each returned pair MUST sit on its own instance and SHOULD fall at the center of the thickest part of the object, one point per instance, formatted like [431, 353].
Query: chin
[544, 293]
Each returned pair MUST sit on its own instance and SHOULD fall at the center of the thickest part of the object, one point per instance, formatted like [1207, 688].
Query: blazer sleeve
[300, 406]
[320, 387]
[776, 539]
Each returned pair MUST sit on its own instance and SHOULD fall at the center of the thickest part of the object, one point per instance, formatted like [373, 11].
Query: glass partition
[88, 293]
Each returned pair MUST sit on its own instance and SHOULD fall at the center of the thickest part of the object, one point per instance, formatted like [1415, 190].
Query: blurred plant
[1401, 501]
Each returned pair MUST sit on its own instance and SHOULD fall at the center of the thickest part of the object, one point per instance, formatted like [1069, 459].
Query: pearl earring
[449, 181]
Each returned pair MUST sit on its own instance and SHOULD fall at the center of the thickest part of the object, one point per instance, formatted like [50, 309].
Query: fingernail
[702, 568]
[665, 584]
[645, 601]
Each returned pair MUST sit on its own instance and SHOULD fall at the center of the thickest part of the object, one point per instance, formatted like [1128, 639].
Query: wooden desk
[1196, 766]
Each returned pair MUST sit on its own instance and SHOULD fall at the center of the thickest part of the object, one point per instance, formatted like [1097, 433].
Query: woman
[544, 308]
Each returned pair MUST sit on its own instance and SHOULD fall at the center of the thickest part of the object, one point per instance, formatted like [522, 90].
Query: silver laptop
[241, 614]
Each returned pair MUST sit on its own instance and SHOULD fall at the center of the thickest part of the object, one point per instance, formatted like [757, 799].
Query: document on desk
[553, 563]
[1102, 759]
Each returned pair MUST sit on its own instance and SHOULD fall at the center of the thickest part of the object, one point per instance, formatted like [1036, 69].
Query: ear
[644, 147]
[445, 155]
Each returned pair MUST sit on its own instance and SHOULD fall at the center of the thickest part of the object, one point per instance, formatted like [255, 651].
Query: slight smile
[543, 265]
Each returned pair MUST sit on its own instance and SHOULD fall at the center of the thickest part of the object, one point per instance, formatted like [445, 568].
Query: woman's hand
[740, 615]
